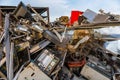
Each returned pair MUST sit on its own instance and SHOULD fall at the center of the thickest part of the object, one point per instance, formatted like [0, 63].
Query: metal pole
[7, 43]
[0, 18]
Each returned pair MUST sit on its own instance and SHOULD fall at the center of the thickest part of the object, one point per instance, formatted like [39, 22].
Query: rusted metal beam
[93, 26]
[48, 14]
[7, 43]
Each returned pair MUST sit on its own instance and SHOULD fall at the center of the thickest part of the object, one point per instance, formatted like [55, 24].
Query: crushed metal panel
[21, 11]
[39, 46]
[92, 74]
[90, 15]
[32, 72]
[101, 18]
[52, 37]
[24, 56]
[40, 10]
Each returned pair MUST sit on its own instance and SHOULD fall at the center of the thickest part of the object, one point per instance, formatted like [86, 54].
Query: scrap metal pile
[33, 49]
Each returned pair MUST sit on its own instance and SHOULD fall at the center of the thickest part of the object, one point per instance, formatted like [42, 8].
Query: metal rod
[64, 58]
[37, 14]
[17, 74]
[2, 36]
[48, 14]
[11, 62]
[58, 35]
[63, 34]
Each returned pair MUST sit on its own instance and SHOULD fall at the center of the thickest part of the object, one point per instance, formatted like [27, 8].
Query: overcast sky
[63, 7]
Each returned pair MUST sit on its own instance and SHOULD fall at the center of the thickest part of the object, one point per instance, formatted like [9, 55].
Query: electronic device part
[32, 72]
[46, 61]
